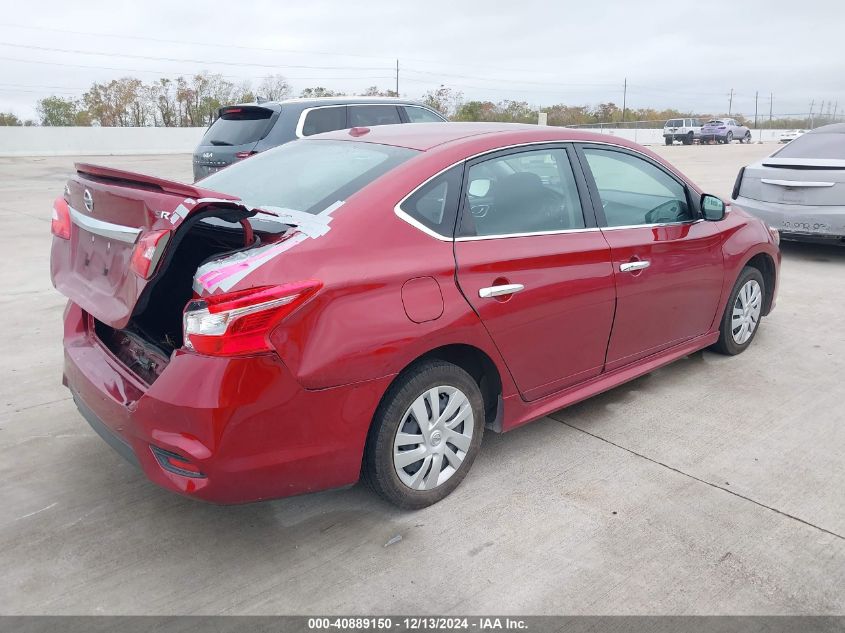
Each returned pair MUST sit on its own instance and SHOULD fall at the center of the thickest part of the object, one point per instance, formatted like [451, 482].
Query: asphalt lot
[712, 486]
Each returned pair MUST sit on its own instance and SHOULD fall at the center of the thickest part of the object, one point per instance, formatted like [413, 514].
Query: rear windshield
[715, 122]
[238, 126]
[307, 176]
[818, 145]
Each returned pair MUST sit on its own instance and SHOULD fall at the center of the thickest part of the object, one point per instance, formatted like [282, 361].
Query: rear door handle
[629, 267]
[498, 291]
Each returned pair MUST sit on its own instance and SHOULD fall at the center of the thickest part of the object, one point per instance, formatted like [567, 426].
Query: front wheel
[425, 435]
[668, 140]
[747, 138]
[742, 313]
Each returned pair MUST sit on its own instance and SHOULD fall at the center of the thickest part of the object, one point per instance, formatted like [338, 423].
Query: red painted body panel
[671, 301]
[272, 425]
[246, 423]
[554, 333]
[422, 299]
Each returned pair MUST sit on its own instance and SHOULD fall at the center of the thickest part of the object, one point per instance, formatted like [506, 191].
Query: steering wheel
[554, 205]
[669, 211]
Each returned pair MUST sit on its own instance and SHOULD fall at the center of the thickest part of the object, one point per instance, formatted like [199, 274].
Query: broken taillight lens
[60, 222]
[148, 252]
[239, 323]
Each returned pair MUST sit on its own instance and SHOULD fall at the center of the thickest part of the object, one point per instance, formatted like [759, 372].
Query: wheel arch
[764, 262]
[479, 365]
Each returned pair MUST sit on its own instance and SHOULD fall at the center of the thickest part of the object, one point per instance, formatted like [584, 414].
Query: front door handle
[630, 267]
[498, 291]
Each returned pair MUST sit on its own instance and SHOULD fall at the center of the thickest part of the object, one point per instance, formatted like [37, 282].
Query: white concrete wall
[655, 136]
[82, 141]
[92, 141]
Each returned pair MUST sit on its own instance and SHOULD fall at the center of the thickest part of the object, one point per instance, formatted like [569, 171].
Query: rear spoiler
[133, 179]
[804, 163]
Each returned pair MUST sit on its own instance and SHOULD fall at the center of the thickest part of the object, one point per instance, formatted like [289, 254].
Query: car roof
[427, 136]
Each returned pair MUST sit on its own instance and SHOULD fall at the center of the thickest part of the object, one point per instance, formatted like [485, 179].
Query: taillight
[60, 222]
[240, 322]
[737, 184]
[148, 252]
[242, 155]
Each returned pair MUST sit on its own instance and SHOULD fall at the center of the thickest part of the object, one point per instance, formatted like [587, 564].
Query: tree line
[194, 102]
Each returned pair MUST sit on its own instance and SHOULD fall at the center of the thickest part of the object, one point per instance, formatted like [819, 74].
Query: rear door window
[239, 126]
[522, 193]
[321, 120]
[371, 115]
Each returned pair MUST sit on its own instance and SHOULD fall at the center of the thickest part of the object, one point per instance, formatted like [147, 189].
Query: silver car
[800, 189]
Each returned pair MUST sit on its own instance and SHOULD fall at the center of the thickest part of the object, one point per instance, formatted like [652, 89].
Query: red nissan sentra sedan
[366, 303]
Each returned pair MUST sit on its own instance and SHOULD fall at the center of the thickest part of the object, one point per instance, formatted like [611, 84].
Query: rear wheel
[688, 139]
[729, 137]
[425, 435]
[742, 313]
[668, 140]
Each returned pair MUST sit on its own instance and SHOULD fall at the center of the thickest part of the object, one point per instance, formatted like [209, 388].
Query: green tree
[119, 103]
[375, 91]
[57, 111]
[274, 88]
[443, 99]
[7, 118]
[319, 91]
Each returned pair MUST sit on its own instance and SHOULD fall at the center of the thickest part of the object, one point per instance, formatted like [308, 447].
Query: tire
[668, 140]
[733, 339]
[406, 397]
[688, 139]
[747, 138]
[729, 137]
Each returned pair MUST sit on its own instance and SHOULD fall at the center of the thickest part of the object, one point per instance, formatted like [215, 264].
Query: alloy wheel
[433, 438]
[746, 311]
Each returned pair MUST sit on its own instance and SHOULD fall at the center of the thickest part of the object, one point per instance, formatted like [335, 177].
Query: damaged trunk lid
[120, 226]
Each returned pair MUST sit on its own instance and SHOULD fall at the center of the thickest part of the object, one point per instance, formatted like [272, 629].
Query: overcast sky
[543, 52]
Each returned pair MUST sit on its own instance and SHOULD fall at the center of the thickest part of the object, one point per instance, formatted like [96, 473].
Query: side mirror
[712, 208]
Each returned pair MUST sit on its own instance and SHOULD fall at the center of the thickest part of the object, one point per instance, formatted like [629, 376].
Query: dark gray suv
[246, 129]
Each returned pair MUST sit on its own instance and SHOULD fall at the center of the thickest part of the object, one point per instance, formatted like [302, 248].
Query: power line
[187, 60]
[519, 81]
[268, 49]
[173, 72]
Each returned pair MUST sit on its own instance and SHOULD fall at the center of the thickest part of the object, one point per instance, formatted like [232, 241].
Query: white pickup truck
[683, 130]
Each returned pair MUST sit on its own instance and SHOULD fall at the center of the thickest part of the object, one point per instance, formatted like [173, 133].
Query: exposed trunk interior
[155, 329]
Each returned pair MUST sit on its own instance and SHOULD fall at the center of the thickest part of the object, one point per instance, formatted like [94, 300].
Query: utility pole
[835, 108]
[771, 100]
[731, 102]
[756, 94]
[812, 103]
[397, 77]
[821, 111]
[624, 98]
